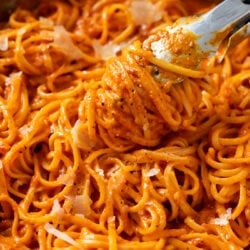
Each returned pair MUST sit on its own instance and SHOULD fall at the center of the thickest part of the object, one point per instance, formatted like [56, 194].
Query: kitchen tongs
[217, 30]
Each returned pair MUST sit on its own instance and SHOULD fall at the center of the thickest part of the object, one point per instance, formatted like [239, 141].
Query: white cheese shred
[152, 172]
[144, 8]
[60, 235]
[4, 43]
[224, 218]
[57, 209]
[107, 50]
[67, 178]
[81, 136]
[161, 51]
[62, 39]
[46, 22]
[81, 204]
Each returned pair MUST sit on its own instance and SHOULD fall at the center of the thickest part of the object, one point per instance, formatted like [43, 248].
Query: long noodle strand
[104, 146]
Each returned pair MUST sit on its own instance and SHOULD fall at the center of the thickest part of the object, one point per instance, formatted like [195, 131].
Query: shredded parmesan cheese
[162, 47]
[24, 130]
[60, 235]
[111, 219]
[100, 171]
[223, 219]
[80, 204]
[62, 39]
[107, 50]
[67, 178]
[81, 136]
[57, 209]
[4, 43]
[46, 22]
[161, 51]
[152, 172]
[144, 8]
[13, 77]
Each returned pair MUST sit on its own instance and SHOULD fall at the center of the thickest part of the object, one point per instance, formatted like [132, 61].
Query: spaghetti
[104, 146]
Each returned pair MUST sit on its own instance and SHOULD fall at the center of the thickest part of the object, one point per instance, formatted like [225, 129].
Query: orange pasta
[104, 146]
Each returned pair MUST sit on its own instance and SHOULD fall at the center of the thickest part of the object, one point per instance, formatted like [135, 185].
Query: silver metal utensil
[194, 39]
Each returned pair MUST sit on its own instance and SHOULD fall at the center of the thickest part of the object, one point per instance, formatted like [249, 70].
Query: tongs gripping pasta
[203, 36]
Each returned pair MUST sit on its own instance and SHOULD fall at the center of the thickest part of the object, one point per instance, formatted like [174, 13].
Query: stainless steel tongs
[217, 30]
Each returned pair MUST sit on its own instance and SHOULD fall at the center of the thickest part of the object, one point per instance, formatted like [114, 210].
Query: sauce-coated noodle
[104, 146]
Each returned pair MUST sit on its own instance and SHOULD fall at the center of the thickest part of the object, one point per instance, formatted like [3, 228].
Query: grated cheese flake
[152, 172]
[67, 178]
[57, 209]
[24, 130]
[45, 22]
[4, 43]
[62, 39]
[111, 219]
[80, 204]
[60, 235]
[81, 136]
[160, 50]
[224, 218]
[144, 8]
[107, 50]
[100, 171]
[13, 77]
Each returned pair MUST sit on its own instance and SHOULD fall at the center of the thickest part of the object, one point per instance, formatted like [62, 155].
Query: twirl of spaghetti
[104, 146]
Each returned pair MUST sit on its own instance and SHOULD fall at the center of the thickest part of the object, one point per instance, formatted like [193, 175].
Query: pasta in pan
[104, 146]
